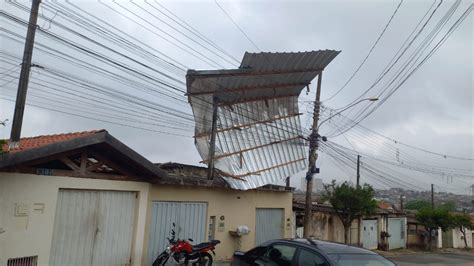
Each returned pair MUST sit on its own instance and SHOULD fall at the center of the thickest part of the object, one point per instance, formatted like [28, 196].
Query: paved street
[434, 259]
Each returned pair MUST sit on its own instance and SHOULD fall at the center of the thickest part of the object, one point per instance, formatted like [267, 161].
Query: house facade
[326, 225]
[86, 198]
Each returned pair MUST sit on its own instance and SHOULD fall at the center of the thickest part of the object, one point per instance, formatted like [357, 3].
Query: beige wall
[328, 227]
[238, 207]
[32, 234]
[458, 241]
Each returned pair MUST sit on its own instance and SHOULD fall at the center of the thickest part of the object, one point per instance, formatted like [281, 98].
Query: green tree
[450, 206]
[417, 205]
[350, 202]
[432, 219]
[463, 222]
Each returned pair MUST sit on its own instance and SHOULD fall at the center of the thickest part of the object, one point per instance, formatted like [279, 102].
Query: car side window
[311, 258]
[256, 252]
[279, 255]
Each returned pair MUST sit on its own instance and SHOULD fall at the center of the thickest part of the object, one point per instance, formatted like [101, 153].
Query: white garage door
[268, 225]
[396, 229]
[93, 228]
[369, 234]
[190, 219]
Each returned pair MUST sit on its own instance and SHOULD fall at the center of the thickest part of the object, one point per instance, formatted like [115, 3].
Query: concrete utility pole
[358, 171]
[358, 186]
[313, 156]
[432, 196]
[401, 203]
[212, 144]
[24, 76]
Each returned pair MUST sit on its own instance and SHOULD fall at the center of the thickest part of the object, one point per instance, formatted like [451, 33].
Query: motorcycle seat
[201, 245]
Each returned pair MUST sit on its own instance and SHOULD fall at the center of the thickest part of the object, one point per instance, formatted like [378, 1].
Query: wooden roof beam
[239, 127]
[253, 148]
[248, 88]
[270, 168]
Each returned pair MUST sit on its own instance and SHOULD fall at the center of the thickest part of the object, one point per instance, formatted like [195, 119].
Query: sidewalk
[404, 252]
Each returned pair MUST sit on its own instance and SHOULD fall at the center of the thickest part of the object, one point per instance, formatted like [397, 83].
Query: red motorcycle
[183, 253]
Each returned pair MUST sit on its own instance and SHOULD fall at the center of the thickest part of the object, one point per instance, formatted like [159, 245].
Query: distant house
[326, 225]
[86, 198]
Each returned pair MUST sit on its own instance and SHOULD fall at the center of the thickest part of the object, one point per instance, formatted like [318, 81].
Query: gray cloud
[433, 109]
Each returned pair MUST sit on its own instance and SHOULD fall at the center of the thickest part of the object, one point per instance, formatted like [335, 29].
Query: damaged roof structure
[247, 119]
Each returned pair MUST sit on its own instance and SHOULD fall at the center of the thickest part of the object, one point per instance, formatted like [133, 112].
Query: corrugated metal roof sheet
[258, 139]
[260, 75]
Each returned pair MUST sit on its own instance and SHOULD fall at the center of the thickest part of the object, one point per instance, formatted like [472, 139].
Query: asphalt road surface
[434, 259]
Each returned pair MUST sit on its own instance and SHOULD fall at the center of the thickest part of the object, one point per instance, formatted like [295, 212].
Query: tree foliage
[432, 219]
[449, 206]
[424, 204]
[417, 205]
[350, 202]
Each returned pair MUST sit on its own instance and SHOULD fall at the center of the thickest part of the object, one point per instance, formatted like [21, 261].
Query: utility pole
[358, 186]
[358, 171]
[432, 196]
[313, 156]
[401, 203]
[212, 144]
[24, 76]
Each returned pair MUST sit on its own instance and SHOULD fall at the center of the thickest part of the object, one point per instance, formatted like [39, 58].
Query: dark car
[307, 252]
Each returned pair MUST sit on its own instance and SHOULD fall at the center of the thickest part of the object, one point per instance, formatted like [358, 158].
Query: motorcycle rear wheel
[205, 260]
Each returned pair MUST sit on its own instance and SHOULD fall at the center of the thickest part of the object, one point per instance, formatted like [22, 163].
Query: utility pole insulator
[24, 77]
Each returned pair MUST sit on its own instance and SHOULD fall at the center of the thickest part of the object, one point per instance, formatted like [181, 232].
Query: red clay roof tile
[39, 141]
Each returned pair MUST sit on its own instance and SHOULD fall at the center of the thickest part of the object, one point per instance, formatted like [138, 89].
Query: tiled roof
[384, 205]
[39, 141]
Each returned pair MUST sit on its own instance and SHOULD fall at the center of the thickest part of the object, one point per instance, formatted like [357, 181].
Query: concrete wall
[458, 241]
[32, 234]
[326, 226]
[238, 207]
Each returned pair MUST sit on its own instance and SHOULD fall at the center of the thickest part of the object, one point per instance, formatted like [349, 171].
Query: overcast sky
[433, 110]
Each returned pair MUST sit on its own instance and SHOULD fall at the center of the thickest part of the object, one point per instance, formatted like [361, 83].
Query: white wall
[35, 196]
[458, 242]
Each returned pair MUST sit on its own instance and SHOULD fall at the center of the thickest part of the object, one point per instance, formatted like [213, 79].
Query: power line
[368, 54]
[237, 26]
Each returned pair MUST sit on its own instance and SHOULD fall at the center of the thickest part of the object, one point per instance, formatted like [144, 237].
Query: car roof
[325, 246]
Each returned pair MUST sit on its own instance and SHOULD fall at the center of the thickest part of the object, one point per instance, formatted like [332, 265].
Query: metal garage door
[396, 229]
[369, 234]
[93, 228]
[268, 225]
[190, 219]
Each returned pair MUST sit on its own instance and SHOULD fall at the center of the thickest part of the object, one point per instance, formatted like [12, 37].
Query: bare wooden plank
[94, 166]
[239, 127]
[253, 148]
[84, 160]
[256, 99]
[69, 163]
[270, 168]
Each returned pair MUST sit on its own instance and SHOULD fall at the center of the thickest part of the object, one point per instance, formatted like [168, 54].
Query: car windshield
[360, 260]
